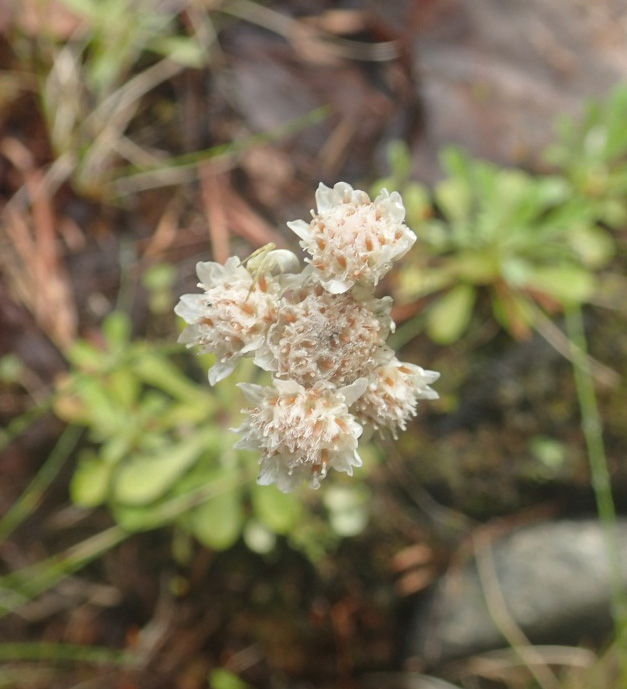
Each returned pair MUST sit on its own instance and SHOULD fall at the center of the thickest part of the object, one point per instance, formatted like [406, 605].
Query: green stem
[185, 167]
[30, 499]
[601, 482]
[56, 652]
[17, 588]
[20, 423]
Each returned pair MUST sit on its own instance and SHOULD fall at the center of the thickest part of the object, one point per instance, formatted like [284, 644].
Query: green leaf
[415, 282]
[456, 162]
[552, 453]
[84, 355]
[158, 277]
[218, 522]
[513, 312]
[116, 329]
[180, 49]
[161, 373]
[276, 510]
[89, 486]
[258, 537]
[144, 478]
[565, 283]
[118, 446]
[593, 245]
[223, 679]
[435, 234]
[124, 387]
[11, 368]
[88, 8]
[177, 414]
[417, 203]
[102, 413]
[348, 508]
[399, 160]
[454, 198]
[133, 518]
[516, 271]
[449, 317]
[477, 267]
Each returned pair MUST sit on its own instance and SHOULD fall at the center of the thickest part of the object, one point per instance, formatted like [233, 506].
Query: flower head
[392, 395]
[319, 331]
[232, 316]
[352, 239]
[301, 432]
[322, 336]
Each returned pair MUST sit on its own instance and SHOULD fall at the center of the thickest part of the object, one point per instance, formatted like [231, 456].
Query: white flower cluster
[320, 331]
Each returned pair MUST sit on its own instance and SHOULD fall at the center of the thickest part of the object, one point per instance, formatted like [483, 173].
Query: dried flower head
[352, 239]
[391, 398]
[320, 331]
[322, 336]
[232, 316]
[301, 432]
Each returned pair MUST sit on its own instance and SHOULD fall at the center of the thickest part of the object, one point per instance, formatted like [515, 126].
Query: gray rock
[552, 580]
[494, 74]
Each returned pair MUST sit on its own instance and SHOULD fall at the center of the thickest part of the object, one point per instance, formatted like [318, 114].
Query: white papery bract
[392, 395]
[232, 316]
[301, 432]
[351, 239]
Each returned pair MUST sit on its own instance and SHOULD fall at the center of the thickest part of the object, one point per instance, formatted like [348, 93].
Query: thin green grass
[19, 587]
[31, 498]
[183, 169]
[601, 479]
[59, 652]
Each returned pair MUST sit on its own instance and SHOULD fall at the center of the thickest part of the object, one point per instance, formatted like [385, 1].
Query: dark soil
[478, 74]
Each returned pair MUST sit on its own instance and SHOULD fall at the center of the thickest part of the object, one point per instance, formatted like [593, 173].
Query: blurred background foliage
[500, 250]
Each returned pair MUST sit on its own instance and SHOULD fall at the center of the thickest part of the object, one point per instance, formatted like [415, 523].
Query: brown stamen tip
[324, 457]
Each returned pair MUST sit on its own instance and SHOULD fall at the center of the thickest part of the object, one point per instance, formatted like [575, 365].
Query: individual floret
[300, 432]
[391, 398]
[351, 239]
[232, 316]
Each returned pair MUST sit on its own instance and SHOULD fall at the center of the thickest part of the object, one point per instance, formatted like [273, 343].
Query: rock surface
[494, 75]
[551, 579]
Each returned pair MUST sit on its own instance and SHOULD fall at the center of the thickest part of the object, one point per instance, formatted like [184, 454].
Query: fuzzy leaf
[348, 508]
[90, 484]
[223, 679]
[449, 317]
[218, 522]
[564, 283]
[117, 330]
[144, 478]
[84, 355]
[274, 509]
